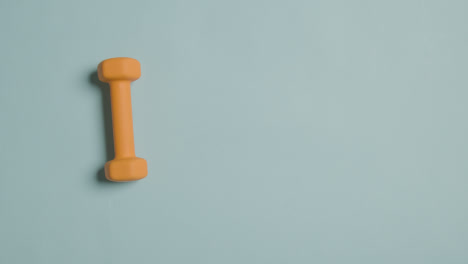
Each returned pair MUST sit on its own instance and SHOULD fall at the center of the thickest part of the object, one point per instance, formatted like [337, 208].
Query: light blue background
[275, 132]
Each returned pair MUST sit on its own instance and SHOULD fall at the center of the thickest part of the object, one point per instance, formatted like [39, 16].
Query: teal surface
[275, 132]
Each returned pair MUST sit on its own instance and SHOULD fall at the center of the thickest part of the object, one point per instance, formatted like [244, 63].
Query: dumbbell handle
[122, 121]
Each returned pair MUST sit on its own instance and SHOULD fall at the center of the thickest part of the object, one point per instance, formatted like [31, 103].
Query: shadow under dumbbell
[107, 122]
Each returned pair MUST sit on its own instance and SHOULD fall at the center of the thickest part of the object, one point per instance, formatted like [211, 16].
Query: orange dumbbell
[119, 73]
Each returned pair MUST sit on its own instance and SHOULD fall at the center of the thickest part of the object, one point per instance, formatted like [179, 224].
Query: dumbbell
[119, 73]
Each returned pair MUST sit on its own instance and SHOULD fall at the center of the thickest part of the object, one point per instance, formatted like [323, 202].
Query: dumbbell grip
[122, 121]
